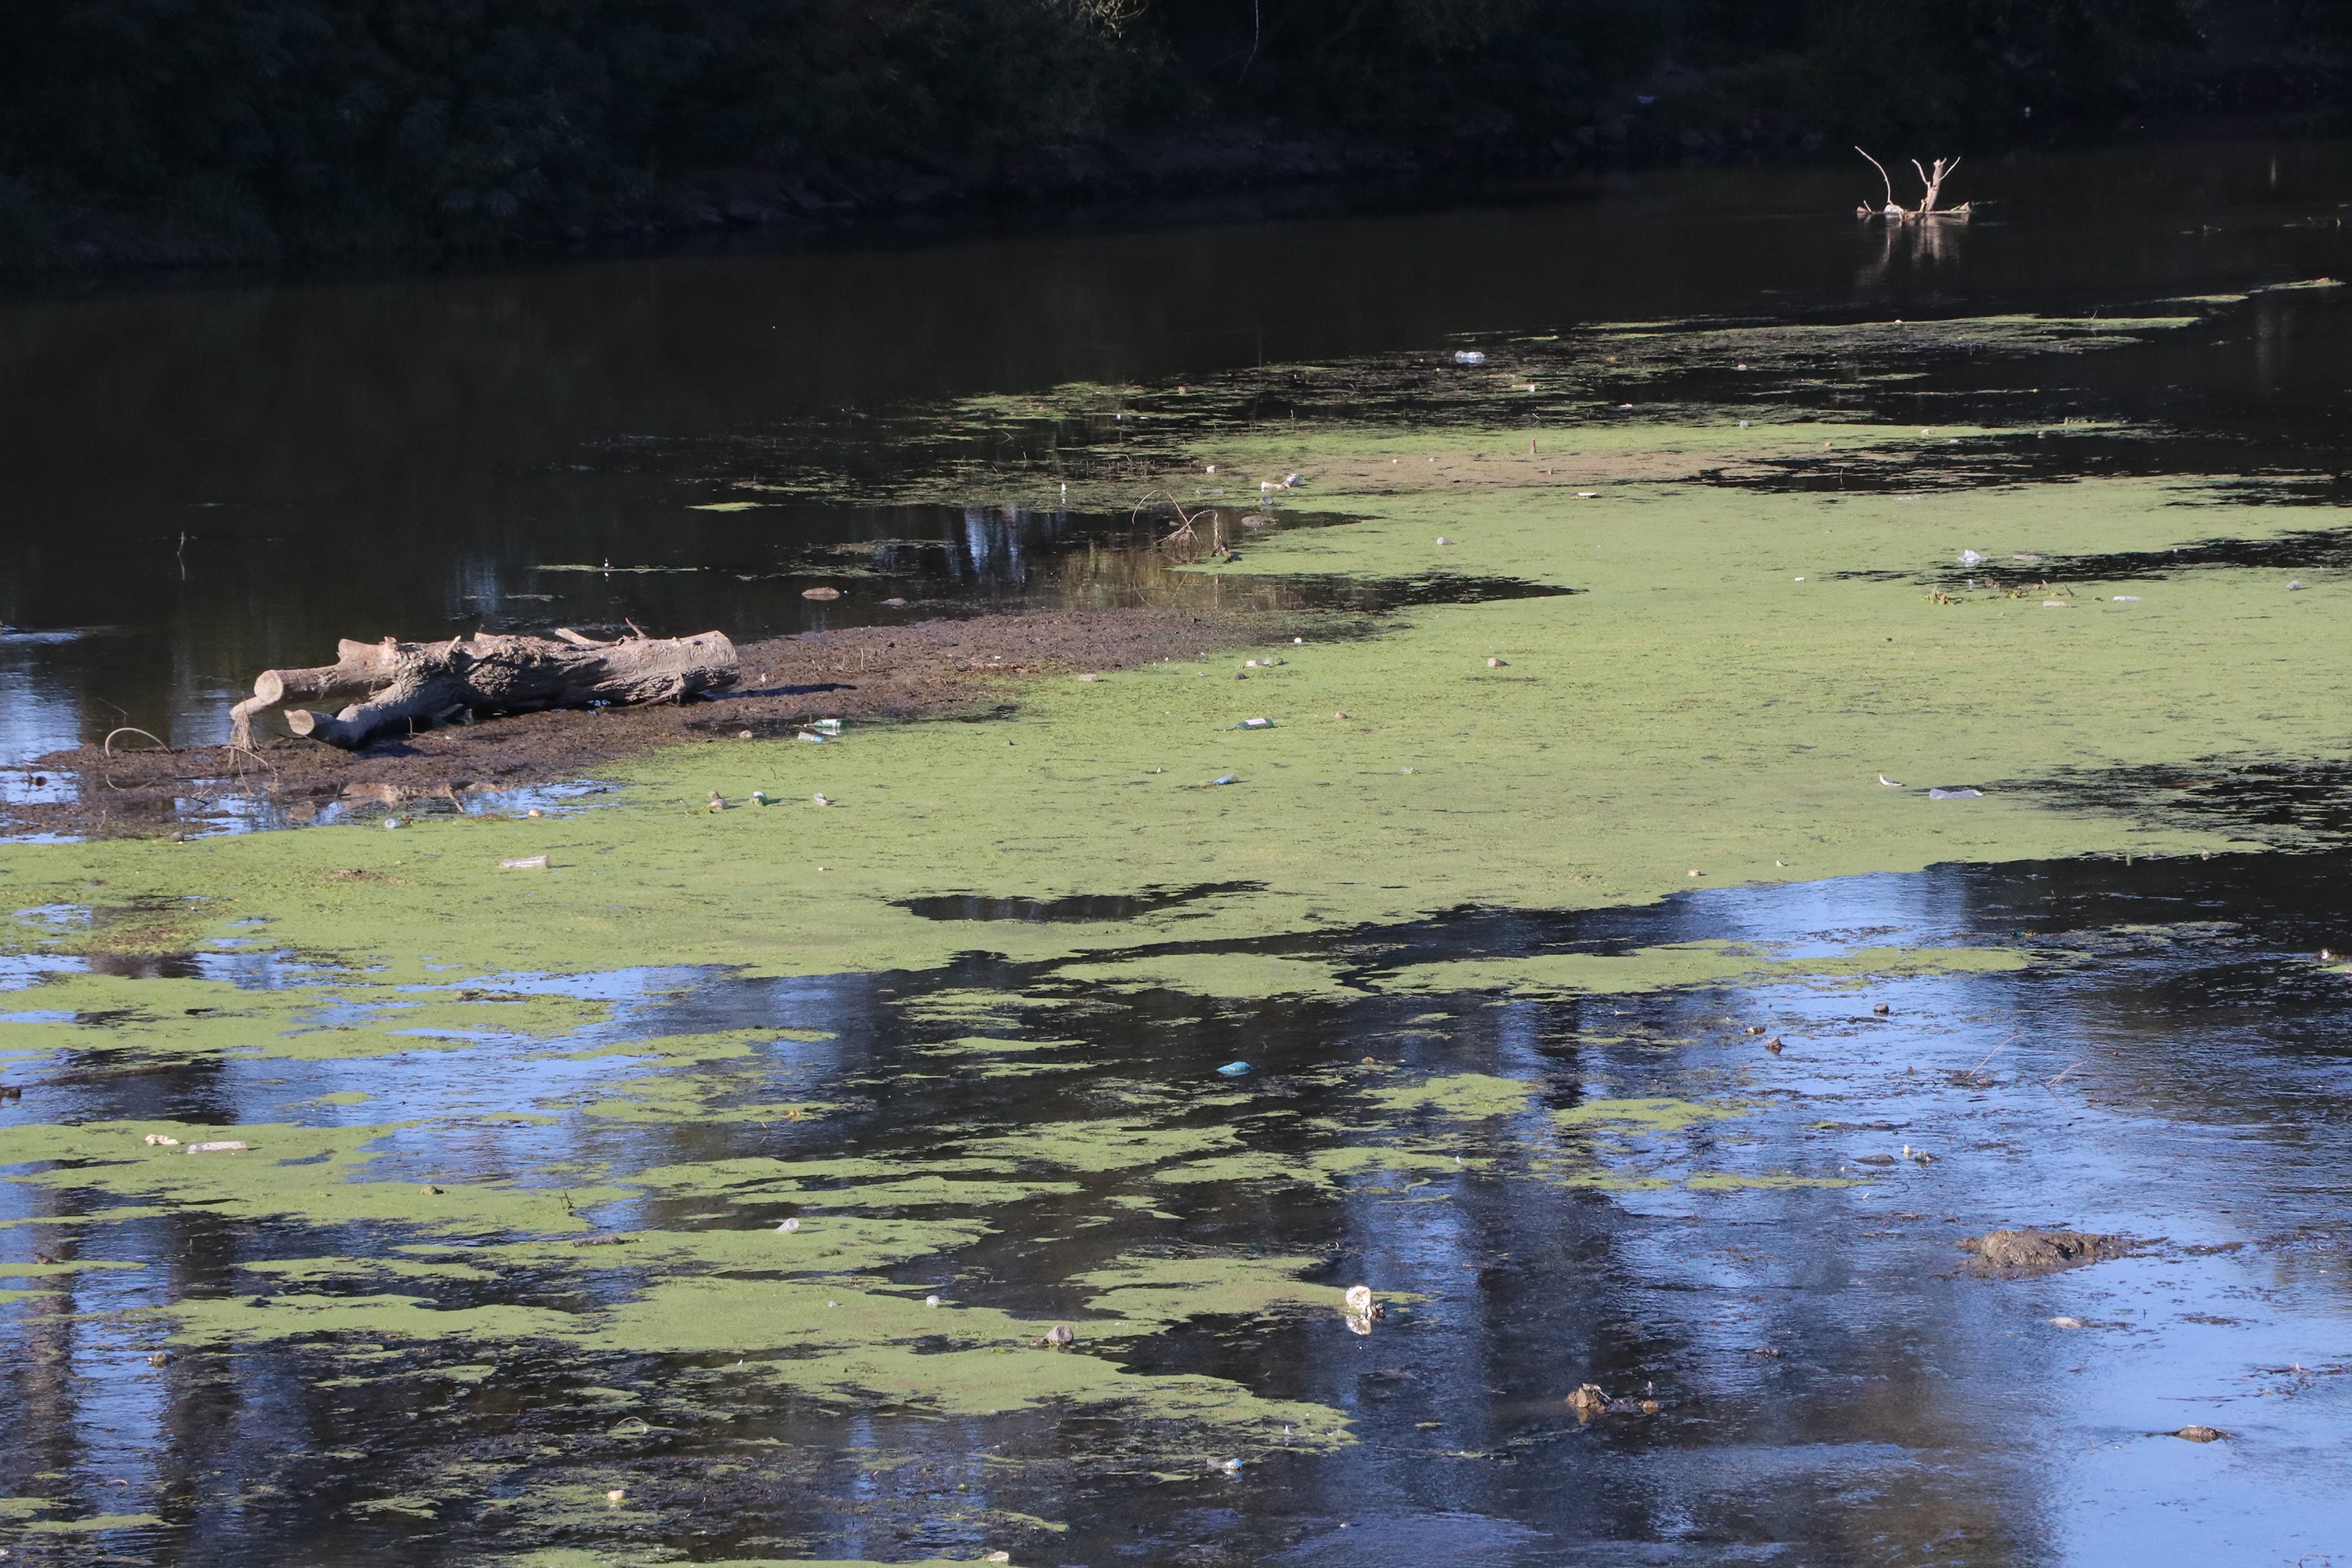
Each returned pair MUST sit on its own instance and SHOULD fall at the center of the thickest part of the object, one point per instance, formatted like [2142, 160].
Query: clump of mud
[2043, 1251]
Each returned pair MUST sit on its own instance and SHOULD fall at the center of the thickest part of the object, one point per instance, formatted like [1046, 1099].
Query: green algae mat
[704, 1156]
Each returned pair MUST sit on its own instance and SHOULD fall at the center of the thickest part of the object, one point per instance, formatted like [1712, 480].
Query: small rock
[1588, 1401]
[2201, 1434]
[2291, 586]
[742, 734]
[1651, 1407]
[1360, 1304]
[1874, 1159]
[1059, 1337]
[998, 1557]
[2065, 1322]
[819, 593]
[1773, 1045]
[930, 1300]
[895, 604]
[1880, 1008]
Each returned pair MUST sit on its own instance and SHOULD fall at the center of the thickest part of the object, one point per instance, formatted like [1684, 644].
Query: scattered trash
[1498, 664]
[1973, 558]
[930, 1300]
[2194, 1433]
[392, 821]
[1442, 539]
[1266, 663]
[1468, 356]
[1221, 779]
[1743, 423]
[162, 1140]
[2043, 1251]
[819, 799]
[743, 734]
[759, 798]
[819, 593]
[1800, 579]
[789, 1226]
[230, 1146]
[1059, 1337]
[2065, 1322]
[2126, 598]
[826, 726]
[1962, 793]
[1917, 1156]
[1591, 495]
[1889, 782]
[1230, 1466]
[1255, 724]
[523, 863]
[1232, 1069]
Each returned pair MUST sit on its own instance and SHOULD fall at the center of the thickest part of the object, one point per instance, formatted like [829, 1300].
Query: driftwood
[375, 686]
[1933, 179]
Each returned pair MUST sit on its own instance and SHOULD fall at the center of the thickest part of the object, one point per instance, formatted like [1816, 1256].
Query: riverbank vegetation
[188, 129]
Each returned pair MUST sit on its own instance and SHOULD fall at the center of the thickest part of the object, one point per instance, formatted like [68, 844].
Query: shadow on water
[1625, 1190]
[1075, 907]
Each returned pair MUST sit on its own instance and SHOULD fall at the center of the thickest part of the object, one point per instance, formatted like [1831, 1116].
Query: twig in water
[1885, 177]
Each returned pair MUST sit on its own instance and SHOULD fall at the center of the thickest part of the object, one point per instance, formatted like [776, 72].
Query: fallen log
[396, 685]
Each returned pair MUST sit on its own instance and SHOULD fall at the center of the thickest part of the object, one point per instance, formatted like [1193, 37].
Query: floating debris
[819, 799]
[788, 1227]
[226, 1146]
[1961, 793]
[523, 863]
[930, 1300]
[2194, 1433]
[1255, 724]
[1234, 1069]
[819, 593]
[1468, 356]
[2043, 1251]
[1588, 1401]
[1889, 782]
[2065, 1322]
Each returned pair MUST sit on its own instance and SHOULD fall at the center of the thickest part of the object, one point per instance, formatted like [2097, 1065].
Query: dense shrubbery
[265, 121]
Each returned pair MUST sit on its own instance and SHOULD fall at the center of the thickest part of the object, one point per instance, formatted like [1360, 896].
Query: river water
[204, 481]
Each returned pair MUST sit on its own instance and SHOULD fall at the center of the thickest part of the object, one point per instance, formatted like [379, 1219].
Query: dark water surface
[199, 482]
[1835, 1386]
[203, 481]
